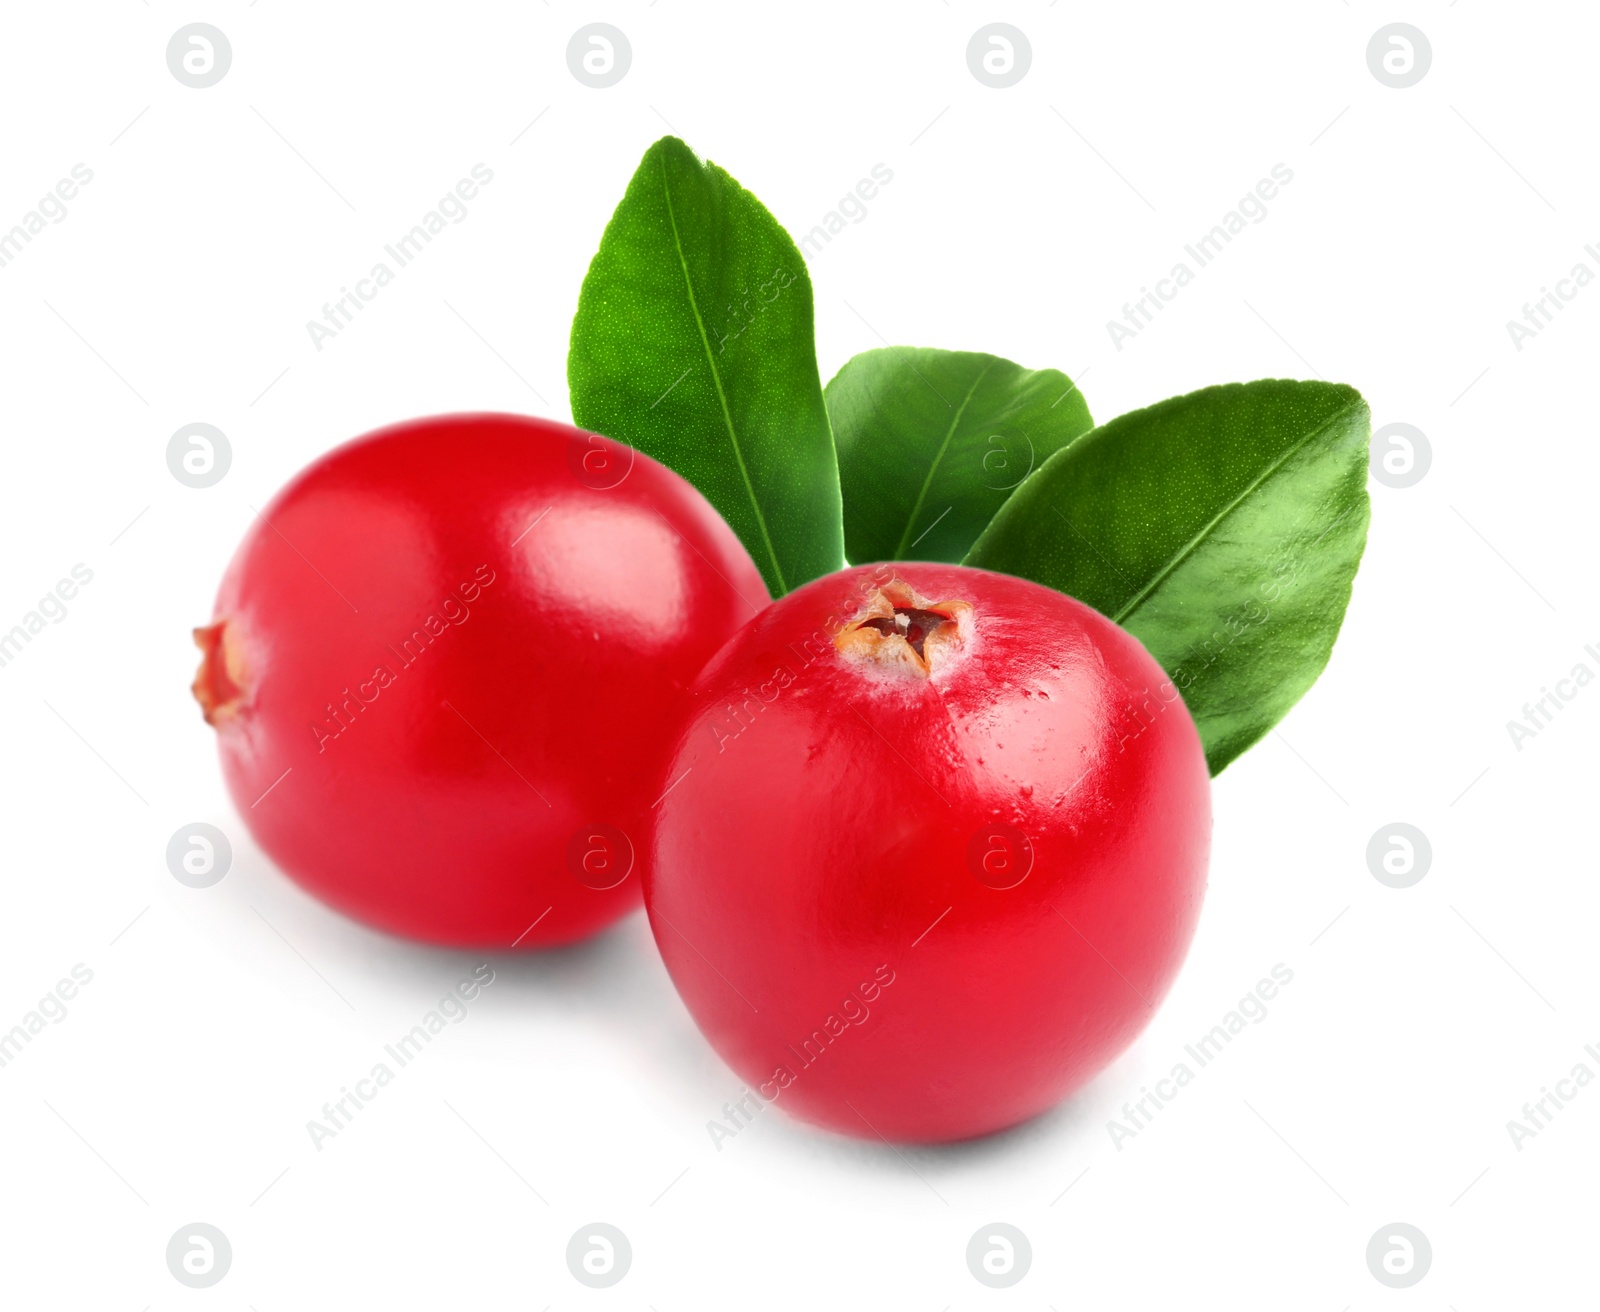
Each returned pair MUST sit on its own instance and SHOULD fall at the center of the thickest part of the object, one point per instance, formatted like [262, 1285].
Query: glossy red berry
[445, 666]
[933, 849]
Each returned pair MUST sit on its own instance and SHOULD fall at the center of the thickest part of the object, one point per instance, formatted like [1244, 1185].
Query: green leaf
[1222, 529]
[693, 342]
[931, 443]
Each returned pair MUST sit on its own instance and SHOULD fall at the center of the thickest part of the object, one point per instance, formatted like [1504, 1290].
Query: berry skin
[933, 852]
[446, 663]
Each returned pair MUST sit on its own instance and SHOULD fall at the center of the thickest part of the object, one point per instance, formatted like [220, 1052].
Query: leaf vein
[944, 446]
[1205, 530]
[716, 378]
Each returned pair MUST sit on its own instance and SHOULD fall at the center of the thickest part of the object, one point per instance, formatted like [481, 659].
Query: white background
[1419, 1021]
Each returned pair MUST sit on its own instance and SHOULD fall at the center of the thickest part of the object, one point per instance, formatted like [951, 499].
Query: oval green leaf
[694, 342]
[931, 443]
[1223, 529]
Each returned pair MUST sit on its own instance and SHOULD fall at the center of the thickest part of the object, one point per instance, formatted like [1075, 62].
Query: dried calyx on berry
[905, 632]
[219, 683]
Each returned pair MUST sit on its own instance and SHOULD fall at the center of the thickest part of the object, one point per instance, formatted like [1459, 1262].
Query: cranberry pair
[922, 846]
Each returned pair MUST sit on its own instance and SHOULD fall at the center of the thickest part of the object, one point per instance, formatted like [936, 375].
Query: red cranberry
[933, 851]
[445, 666]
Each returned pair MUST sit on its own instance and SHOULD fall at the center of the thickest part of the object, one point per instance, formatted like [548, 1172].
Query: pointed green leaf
[931, 443]
[1222, 529]
[693, 342]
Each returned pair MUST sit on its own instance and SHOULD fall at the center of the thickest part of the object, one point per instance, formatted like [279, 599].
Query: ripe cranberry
[445, 666]
[933, 850]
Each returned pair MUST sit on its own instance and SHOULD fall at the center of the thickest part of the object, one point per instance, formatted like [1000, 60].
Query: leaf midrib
[1205, 531]
[927, 482]
[716, 378]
